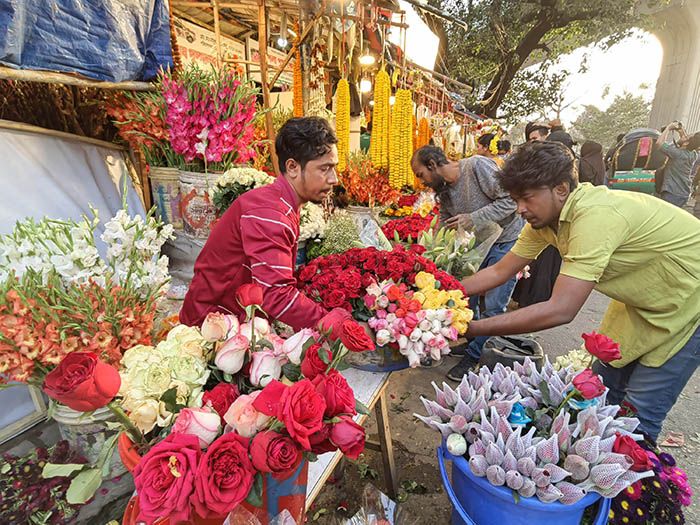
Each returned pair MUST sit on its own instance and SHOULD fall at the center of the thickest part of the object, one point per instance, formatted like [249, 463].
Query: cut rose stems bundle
[269, 404]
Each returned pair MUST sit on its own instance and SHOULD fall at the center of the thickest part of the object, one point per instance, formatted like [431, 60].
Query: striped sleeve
[269, 241]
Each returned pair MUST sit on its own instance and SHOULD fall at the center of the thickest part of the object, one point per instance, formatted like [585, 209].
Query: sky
[627, 66]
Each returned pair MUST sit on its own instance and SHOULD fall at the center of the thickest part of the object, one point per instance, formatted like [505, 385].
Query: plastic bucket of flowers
[535, 447]
[477, 502]
[165, 186]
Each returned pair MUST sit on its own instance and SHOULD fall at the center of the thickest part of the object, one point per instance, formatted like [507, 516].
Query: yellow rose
[425, 280]
[460, 327]
[420, 297]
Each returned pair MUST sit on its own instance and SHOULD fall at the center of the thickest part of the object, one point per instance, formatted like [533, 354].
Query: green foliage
[503, 36]
[534, 90]
[624, 114]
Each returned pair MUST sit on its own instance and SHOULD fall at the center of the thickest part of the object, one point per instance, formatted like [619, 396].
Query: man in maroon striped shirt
[256, 239]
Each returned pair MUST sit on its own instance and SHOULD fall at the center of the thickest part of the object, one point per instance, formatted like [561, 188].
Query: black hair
[694, 142]
[538, 164]
[535, 126]
[504, 145]
[303, 139]
[426, 154]
[485, 140]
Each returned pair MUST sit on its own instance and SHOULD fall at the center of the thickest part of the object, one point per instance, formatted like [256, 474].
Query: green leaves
[291, 372]
[255, 495]
[52, 470]
[84, 486]
[169, 397]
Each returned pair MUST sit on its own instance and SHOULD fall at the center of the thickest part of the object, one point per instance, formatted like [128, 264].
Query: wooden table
[370, 389]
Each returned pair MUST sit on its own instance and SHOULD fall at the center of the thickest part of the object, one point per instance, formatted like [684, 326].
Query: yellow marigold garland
[342, 123]
[297, 85]
[379, 142]
[401, 141]
[423, 133]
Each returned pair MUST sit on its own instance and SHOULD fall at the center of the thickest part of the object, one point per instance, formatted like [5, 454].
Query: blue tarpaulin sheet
[112, 40]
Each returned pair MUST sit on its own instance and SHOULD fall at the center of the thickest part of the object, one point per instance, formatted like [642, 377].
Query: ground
[416, 463]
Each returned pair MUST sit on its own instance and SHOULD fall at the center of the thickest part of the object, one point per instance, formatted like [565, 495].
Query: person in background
[555, 125]
[591, 167]
[545, 269]
[636, 249]
[676, 185]
[256, 239]
[536, 131]
[365, 137]
[558, 134]
[471, 198]
[504, 147]
[483, 148]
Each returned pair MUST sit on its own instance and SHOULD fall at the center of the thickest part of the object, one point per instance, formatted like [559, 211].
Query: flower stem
[131, 429]
[568, 397]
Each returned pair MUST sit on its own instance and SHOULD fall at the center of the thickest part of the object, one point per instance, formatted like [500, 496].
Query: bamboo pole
[51, 77]
[262, 40]
[217, 31]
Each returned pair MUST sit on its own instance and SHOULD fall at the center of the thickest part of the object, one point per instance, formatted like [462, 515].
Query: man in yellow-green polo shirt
[638, 250]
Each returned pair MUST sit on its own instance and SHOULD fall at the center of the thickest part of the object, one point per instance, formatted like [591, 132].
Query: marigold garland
[379, 143]
[297, 85]
[423, 133]
[342, 123]
[401, 141]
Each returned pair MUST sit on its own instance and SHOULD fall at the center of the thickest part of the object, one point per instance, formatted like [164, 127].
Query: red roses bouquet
[275, 402]
[340, 280]
[407, 229]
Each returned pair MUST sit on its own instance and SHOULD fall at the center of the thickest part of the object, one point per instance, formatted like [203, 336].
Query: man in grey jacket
[470, 196]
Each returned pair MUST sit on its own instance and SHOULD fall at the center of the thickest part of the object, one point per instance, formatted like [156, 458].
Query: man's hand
[463, 220]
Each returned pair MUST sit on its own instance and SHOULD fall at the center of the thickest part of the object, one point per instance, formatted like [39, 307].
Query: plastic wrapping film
[111, 40]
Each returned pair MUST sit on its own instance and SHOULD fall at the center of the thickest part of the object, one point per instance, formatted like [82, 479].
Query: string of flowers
[379, 142]
[364, 184]
[423, 133]
[401, 141]
[342, 123]
[297, 83]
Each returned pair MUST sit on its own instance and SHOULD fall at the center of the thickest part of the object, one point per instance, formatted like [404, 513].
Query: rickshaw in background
[636, 162]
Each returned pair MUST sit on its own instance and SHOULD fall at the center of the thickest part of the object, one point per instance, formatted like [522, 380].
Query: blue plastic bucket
[477, 502]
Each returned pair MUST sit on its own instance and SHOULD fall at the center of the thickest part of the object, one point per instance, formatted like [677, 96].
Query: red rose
[312, 364]
[355, 338]
[349, 437]
[340, 399]
[275, 453]
[249, 294]
[301, 411]
[589, 384]
[630, 448]
[332, 323]
[335, 298]
[308, 272]
[321, 442]
[165, 478]
[224, 477]
[602, 347]
[82, 382]
[221, 397]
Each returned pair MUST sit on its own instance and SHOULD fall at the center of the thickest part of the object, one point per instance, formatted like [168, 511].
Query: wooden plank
[28, 128]
[52, 77]
[289, 56]
[262, 30]
[368, 388]
[387, 445]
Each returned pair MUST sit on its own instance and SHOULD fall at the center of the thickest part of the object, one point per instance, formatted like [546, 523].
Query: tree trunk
[510, 65]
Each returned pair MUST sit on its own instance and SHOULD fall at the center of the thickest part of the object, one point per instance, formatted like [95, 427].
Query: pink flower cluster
[210, 118]
[402, 321]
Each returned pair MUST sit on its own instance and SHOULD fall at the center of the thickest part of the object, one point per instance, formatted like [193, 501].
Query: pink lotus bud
[514, 479]
[556, 473]
[578, 467]
[528, 489]
[509, 461]
[456, 444]
[478, 465]
[541, 477]
[548, 494]
[570, 493]
[493, 455]
[526, 466]
[496, 475]
[458, 424]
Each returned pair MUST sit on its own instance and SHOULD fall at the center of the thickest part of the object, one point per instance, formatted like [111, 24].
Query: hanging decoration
[317, 90]
[342, 123]
[401, 141]
[423, 133]
[298, 80]
[379, 144]
[414, 132]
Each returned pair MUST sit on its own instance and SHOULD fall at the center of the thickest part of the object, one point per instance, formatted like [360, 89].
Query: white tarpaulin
[42, 175]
